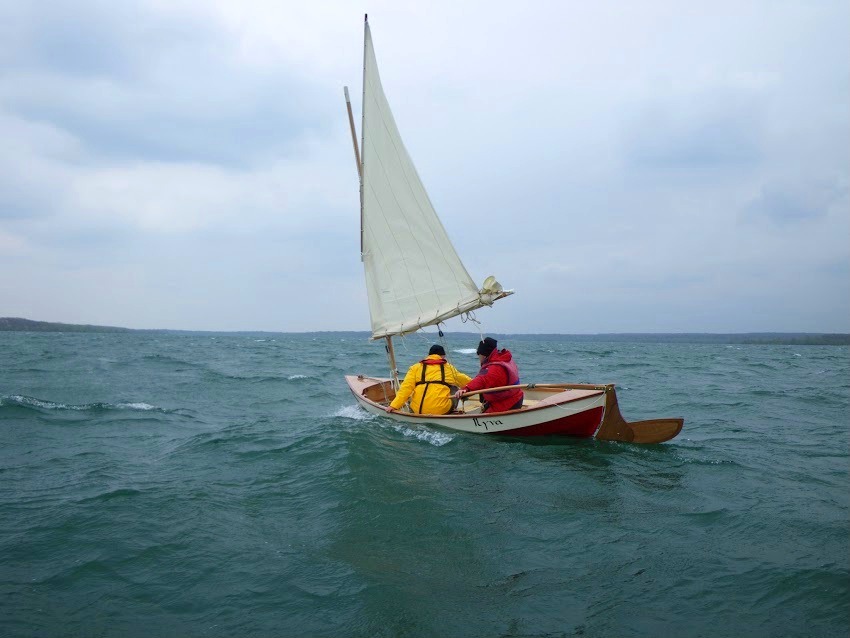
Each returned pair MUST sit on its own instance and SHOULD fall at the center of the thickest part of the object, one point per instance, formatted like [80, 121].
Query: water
[191, 485]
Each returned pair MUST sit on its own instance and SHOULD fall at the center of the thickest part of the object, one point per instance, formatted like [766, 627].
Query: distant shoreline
[16, 324]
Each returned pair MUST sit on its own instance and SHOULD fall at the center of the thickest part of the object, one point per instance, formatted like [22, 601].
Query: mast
[389, 345]
[391, 358]
[353, 138]
[362, 129]
[359, 163]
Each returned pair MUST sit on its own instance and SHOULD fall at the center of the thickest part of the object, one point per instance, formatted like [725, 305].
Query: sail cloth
[414, 277]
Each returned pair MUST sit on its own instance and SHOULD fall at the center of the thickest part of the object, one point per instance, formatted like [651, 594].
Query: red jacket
[494, 376]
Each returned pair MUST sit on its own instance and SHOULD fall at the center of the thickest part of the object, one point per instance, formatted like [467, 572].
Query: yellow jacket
[433, 397]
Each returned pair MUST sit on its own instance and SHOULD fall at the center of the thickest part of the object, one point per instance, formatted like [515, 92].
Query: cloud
[165, 197]
[715, 129]
[78, 39]
[188, 164]
[792, 201]
[13, 245]
[128, 82]
[33, 167]
[130, 115]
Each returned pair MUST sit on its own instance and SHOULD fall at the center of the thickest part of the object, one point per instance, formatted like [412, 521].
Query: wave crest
[354, 412]
[21, 401]
[437, 439]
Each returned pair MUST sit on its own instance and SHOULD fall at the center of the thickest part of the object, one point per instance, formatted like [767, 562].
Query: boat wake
[354, 412]
[437, 439]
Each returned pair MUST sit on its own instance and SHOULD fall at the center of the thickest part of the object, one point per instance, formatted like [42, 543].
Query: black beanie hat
[487, 346]
[437, 349]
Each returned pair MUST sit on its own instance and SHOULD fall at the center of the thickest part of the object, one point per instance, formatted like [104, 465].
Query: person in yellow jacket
[427, 383]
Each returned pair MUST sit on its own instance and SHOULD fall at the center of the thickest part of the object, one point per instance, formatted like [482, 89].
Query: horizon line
[58, 324]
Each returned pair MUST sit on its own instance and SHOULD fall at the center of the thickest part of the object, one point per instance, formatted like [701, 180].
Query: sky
[651, 166]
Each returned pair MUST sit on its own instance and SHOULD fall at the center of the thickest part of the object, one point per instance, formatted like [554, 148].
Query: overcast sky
[624, 166]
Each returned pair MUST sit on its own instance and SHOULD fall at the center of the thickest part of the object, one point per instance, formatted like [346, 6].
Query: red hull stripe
[583, 424]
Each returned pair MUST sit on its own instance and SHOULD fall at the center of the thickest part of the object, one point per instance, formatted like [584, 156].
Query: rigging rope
[426, 338]
[470, 316]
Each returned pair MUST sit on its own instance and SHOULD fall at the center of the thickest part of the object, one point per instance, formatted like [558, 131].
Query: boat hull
[576, 413]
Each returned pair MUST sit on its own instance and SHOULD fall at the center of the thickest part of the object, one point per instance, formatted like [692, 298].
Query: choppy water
[190, 485]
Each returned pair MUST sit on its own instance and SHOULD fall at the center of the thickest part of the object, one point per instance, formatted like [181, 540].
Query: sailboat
[415, 279]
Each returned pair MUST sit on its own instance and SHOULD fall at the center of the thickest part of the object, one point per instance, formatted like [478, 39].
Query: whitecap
[436, 439]
[136, 406]
[354, 412]
[52, 405]
[465, 350]
[294, 377]
[38, 403]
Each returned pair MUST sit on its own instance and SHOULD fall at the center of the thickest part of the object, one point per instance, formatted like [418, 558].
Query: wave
[761, 392]
[354, 412]
[464, 350]
[435, 438]
[20, 401]
[428, 435]
[166, 359]
[144, 407]
[217, 376]
[119, 493]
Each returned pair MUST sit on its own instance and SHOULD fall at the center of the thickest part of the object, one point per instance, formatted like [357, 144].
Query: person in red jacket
[497, 369]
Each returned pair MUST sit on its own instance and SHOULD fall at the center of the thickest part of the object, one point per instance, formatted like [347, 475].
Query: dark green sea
[227, 485]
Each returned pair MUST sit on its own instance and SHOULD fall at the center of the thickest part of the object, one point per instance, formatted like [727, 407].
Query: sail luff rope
[363, 136]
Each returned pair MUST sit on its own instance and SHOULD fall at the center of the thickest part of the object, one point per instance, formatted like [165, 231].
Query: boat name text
[483, 423]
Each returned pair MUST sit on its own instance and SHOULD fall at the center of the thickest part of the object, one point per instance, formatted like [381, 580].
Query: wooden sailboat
[414, 279]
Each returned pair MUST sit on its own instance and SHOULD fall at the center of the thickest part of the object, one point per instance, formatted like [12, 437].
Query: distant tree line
[766, 338]
[28, 325]
[771, 338]
[806, 340]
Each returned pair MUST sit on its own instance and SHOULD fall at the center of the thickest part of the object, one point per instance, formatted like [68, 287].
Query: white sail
[414, 277]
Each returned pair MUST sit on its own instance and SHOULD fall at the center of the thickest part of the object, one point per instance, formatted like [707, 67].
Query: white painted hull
[572, 412]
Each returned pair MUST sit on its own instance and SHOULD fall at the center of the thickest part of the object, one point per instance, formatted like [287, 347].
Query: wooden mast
[391, 357]
[357, 160]
[353, 133]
